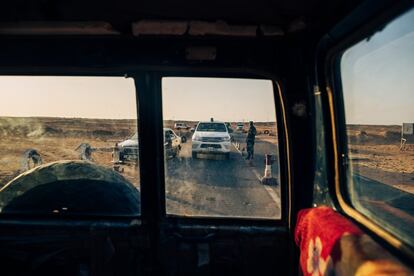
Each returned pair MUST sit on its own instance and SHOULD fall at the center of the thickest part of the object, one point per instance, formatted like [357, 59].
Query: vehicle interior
[317, 94]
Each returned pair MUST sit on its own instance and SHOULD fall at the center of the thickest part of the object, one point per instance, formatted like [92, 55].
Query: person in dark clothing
[167, 144]
[251, 136]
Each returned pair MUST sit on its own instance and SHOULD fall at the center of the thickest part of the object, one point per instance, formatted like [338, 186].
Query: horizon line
[186, 120]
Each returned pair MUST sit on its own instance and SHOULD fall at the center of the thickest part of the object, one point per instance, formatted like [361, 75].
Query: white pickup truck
[211, 138]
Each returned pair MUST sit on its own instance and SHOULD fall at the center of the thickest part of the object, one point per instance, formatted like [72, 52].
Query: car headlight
[226, 138]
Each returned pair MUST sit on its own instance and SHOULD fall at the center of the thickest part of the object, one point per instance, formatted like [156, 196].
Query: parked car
[127, 151]
[172, 143]
[181, 126]
[211, 138]
[239, 126]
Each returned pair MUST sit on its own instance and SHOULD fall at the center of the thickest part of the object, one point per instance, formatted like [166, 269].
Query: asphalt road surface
[215, 187]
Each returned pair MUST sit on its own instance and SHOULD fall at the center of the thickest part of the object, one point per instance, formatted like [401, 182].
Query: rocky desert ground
[375, 150]
[57, 139]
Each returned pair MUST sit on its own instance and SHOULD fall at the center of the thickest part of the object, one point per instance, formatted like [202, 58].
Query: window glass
[213, 127]
[216, 166]
[378, 90]
[68, 145]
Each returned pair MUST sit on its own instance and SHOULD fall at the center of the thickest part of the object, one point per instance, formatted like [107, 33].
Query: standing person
[251, 136]
[168, 144]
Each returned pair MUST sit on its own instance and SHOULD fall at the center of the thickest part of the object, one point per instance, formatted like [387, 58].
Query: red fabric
[318, 231]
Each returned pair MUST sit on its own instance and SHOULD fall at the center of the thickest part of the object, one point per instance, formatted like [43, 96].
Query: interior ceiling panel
[123, 12]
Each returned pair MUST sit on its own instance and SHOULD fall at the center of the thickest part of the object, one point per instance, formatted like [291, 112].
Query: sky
[378, 76]
[114, 98]
[230, 100]
[73, 97]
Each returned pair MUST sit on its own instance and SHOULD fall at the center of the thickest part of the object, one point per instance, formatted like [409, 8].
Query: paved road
[213, 186]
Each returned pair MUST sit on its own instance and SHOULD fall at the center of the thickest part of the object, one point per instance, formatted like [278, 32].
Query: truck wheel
[194, 155]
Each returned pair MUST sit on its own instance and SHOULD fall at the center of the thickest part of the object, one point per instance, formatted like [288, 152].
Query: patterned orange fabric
[318, 232]
[330, 244]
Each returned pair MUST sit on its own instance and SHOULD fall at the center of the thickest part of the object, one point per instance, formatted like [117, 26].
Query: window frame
[284, 150]
[349, 32]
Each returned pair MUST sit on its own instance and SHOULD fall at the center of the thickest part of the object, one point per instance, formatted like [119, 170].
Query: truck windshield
[213, 127]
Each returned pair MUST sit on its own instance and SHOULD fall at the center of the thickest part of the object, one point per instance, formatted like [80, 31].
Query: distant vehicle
[127, 151]
[212, 138]
[181, 126]
[239, 126]
[172, 143]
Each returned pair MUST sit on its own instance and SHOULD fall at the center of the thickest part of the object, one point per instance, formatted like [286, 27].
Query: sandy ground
[54, 149]
[57, 139]
[375, 153]
[385, 163]
[374, 150]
